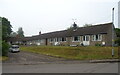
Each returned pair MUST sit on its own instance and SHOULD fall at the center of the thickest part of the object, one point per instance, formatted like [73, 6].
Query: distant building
[119, 14]
[87, 36]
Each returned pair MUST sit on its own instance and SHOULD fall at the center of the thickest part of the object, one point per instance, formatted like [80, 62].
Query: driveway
[33, 58]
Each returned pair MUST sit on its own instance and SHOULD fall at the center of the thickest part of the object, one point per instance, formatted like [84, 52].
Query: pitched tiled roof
[95, 29]
[18, 38]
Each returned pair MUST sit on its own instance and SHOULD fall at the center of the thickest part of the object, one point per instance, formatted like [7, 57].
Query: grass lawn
[3, 58]
[81, 53]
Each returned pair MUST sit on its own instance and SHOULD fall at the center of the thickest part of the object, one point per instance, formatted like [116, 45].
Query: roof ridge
[78, 28]
[97, 25]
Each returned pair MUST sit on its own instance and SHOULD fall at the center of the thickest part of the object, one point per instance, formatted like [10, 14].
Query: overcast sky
[54, 15]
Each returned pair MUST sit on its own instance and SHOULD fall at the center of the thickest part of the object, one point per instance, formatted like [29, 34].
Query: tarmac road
[25, 62]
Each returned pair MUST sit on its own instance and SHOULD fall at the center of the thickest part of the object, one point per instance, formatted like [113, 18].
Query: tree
[74, 26]
[5, 48]
[87, 25]
[13, 34]
[6, 30]
[117, 41]
[20, 32]
[69, 27]
[117, 30]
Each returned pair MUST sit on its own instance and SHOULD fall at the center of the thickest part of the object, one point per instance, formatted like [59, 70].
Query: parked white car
[14, 48]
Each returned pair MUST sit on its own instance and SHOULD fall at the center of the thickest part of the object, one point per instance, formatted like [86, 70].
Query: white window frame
[56, 40]
[99, 37]
[64, 38]
[51, 40]
[95, 39]
[78, 37]
[60, 39]
[42, 41]
[81, 38]
[85, 37]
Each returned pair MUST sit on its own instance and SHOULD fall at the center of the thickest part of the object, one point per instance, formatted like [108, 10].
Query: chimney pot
[40, 33]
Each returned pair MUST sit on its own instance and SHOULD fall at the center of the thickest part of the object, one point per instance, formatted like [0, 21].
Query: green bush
[5, 48]
[0, 47]
[117, 41]
[97, 44]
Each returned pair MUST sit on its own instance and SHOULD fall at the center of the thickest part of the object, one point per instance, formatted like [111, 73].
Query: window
[99, 37]
[60, 39]
[42, 40]
[38, 40]
[86, 38]
[81, 38]
[50, 40]
[63, 39]
[76, 38]
[96, 37]
[93, 37]
[56, 39]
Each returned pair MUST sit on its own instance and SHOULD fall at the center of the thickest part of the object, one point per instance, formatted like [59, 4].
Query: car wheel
[12, 51]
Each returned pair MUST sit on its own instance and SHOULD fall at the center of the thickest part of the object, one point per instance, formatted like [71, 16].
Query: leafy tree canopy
[13, 34]
[6, 28]
[117, 41]
[117, 30]
[86, 25]
[74, 26]
[20, 32]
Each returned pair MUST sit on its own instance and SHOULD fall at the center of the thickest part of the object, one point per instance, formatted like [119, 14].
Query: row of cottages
[76, 36]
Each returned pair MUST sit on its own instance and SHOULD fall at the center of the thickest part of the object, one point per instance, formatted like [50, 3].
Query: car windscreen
[15, 47]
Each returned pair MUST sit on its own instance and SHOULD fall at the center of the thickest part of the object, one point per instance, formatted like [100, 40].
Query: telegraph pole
[112, 32]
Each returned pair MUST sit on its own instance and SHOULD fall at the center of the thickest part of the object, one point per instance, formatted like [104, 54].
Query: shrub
[117, 41]
[97, 44]
[5, 48]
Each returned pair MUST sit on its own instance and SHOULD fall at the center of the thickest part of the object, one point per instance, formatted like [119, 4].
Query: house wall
[58, 42]
[43, 42]
[15, 42]
[36, 42]
[93, 43]
[49, 43]
[74, 42]
[69, 41]
[108, 37]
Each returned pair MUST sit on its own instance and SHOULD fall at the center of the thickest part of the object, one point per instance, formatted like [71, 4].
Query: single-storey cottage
[88, 36]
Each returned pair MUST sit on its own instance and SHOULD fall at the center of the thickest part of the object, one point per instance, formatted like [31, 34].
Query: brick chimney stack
[40, 33]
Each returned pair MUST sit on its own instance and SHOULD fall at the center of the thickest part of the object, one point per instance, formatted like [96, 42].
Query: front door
[46, 42]
[86, 40]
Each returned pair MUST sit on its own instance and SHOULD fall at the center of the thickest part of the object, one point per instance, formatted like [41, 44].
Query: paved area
[26, 62]
[63, 68]
[33, 58]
